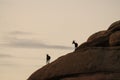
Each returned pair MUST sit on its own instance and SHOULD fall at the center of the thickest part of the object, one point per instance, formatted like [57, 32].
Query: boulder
[96, 35]
[115, 25]
[101, 38]
[96, 63]
[114, 39]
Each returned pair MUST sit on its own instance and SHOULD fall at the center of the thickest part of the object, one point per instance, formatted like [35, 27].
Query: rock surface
[96, 59]
[114, 39]
[96, 35]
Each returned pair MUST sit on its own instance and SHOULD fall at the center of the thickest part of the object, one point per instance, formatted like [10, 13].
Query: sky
[30, 29]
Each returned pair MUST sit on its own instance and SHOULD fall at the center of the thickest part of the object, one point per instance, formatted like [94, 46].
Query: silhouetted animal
[48, 59]
[76, 44]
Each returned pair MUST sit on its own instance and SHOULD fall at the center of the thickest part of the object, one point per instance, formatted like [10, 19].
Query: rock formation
[96, 59]
[96, 35]
[114, 39]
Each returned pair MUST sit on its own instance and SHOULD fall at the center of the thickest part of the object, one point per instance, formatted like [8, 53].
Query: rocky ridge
[96, 59]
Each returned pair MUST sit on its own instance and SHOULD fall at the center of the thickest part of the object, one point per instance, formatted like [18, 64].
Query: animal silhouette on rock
[76, 44]
[48, 59]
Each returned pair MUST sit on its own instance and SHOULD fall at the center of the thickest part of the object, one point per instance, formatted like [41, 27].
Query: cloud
[5, 55]
[6, 64]
[13, 40]
[19, 33]
[26, 43]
